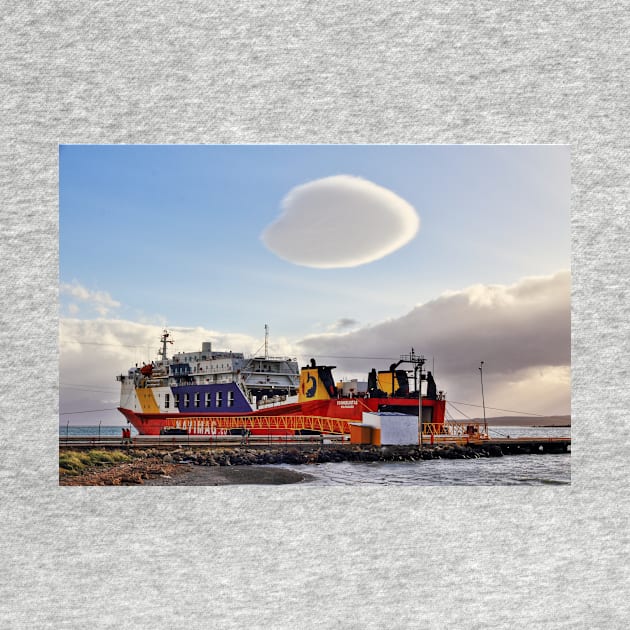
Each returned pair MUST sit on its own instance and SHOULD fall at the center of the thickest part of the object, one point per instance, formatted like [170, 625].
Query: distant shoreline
[527, 421]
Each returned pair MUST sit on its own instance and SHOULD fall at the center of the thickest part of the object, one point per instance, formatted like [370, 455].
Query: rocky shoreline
[161, 467]
[252, 456]
[192, 466]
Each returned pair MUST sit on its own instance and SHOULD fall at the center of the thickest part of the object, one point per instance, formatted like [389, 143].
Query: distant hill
[528, 421]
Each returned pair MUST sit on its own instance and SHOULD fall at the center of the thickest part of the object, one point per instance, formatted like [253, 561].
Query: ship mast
[266, 341]
[418, 361]
[164, 340]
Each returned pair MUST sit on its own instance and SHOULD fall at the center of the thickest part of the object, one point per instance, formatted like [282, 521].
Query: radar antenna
[417, 360]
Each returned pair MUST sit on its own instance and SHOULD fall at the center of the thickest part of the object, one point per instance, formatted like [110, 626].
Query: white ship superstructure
[208, 381]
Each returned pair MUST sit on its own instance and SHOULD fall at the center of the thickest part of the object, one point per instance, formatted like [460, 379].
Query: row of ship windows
[197, 400]
[178, 370]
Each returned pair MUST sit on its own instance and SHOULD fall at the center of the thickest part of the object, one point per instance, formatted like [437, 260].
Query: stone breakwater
[244, 456]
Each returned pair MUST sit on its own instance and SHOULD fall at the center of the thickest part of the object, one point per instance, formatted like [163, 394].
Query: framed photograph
[367, 314]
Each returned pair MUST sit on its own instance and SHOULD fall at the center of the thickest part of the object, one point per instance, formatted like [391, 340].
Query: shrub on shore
[76, 462]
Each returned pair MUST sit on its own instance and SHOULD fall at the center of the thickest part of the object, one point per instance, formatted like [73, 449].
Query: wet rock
[452, 452]
[337, 456]
[293, 456]
[494, 450]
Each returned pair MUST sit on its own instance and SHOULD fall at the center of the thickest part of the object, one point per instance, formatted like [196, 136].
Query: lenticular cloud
[340, 221]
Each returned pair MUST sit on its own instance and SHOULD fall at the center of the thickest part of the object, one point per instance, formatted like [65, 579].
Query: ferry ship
[211, 392]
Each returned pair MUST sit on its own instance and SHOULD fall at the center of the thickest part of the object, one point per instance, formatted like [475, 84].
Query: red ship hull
[322, 416]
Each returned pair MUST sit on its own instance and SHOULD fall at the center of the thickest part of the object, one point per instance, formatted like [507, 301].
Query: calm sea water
[531, 470]
[514, 470]
[509, 470]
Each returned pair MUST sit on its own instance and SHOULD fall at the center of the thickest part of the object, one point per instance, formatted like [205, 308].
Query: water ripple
[528, 470]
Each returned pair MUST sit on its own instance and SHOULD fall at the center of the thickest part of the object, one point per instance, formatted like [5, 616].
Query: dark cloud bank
[516, 330]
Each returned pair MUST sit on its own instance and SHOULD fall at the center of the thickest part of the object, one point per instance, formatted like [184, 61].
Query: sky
[352, 254]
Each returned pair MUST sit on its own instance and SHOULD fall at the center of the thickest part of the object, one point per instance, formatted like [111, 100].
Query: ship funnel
[393, 382]
[316, 383]
[206, 346]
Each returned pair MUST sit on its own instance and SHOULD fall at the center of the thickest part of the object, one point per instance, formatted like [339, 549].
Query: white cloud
[340, 221]
[101, 301]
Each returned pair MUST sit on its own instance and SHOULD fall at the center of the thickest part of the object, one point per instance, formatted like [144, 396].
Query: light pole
[483, 401]
[420, 402]
[420, 406]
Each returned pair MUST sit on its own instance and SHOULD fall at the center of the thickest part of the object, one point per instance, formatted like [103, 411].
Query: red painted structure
[344, 409]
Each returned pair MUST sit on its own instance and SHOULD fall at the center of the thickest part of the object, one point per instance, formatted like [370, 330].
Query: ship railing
[270, 358]
[155, 382]
[447, 431]
[453, 431]
[271, 401]
[211, 425]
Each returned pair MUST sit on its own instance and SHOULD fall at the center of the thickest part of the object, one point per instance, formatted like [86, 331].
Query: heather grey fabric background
[300, 72]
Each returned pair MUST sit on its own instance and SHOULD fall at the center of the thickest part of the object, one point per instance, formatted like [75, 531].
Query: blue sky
[155, 236]
[173, 232]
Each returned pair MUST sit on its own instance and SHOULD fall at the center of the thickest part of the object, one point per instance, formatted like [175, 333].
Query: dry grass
[77, 462]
